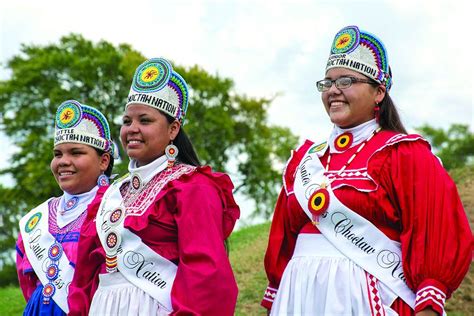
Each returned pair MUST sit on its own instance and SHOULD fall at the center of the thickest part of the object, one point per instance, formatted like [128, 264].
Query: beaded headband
[79, 123]
[360, 51]
[156, 84]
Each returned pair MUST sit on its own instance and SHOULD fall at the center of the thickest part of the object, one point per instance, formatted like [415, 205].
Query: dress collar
[71, 206]
[342, 139]
[139, 176]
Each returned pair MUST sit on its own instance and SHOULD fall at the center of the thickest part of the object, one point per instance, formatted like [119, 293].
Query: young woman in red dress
[368, 221]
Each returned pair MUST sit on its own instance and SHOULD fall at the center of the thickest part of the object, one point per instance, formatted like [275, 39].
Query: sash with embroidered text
[46, 255]
[353, 235]
[126, 252]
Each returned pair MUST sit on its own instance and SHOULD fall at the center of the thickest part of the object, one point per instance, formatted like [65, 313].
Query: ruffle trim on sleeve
[268, 297]
[431, 293]
[220, 181]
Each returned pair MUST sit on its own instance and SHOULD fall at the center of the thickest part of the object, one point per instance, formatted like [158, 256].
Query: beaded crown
[360, 51]
[80, 123]
[156, 84]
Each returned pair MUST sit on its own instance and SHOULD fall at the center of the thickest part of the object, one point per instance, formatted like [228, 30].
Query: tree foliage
[453, 146]
[230, 131]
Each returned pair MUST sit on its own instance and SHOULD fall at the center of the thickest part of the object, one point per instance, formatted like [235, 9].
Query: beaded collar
[139, 176]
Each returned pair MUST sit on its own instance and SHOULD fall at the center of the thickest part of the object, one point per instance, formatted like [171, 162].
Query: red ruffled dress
[401, 187]
[187, 223]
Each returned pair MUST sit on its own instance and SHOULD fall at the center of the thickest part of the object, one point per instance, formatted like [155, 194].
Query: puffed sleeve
[281, 244]
[90, 259]
[204, 283]
[26, 275]
[436, 239]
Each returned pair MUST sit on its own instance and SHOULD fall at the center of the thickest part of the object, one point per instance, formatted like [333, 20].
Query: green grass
[11, 301]
[247, 249]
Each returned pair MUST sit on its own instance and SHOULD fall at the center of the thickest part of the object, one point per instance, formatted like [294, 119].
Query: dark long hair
[389, 118]
[188, 155]
[108, 171]
[186, 152]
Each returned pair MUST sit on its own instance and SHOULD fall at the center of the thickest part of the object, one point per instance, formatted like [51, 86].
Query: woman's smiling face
[352, 106]
[145, 133]
[76, 167]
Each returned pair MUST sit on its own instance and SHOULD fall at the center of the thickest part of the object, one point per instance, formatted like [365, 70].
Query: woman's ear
[173, 129]
[104, 161]
[380, 93]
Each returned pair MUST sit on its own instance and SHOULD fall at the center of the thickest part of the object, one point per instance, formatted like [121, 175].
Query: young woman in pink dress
[49, 234]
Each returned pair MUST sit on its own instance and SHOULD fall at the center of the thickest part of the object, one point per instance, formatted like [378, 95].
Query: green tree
[230, 131]
[453, 146]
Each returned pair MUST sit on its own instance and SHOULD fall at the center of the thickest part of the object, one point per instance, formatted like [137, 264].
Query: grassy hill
[463, 298]
[247, 248]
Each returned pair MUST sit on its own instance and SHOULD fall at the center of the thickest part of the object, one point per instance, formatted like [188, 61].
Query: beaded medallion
[32, 222]
[152, 75]
[69, 114]
[343, 141]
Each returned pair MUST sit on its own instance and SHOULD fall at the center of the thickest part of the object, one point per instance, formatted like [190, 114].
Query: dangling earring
[171, 153]
[102, 180]
[377, 112]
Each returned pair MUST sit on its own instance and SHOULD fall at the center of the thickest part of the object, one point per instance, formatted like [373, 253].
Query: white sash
[138, 263]
[357, 238]
[37, 240]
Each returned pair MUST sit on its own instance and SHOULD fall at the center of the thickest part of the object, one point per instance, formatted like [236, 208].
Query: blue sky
[275, 47]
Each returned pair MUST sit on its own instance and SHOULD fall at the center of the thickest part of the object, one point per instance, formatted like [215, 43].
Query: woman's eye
[126, 120]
